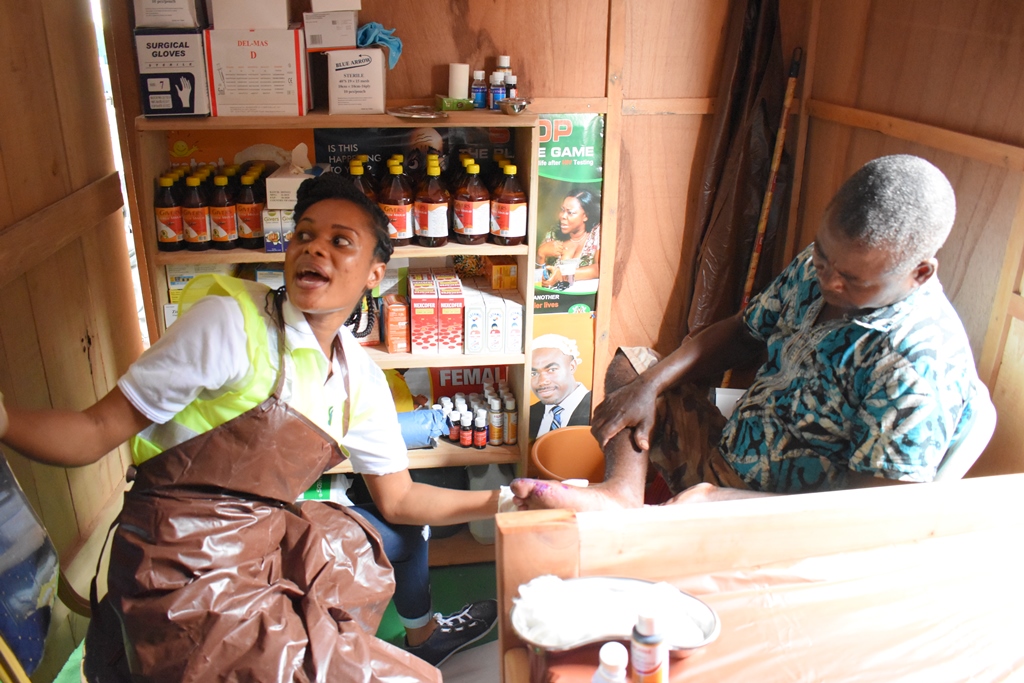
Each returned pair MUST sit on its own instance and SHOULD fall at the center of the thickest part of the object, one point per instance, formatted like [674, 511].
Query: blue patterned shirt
[883, 393]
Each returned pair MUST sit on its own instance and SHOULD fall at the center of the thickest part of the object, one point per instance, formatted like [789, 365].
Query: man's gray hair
[899, 203]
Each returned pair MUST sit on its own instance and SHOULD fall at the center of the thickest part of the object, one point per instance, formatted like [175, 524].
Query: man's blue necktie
[556, 417]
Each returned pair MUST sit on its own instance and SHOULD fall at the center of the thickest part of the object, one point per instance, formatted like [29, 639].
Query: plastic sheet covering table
[947, 604]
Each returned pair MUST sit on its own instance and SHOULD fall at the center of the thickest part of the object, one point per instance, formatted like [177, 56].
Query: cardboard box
[172, 72]
[394, 281]
[494, 319]
[180, 275]
[283, 184]
[395, 314]
[355, 81]
[273, 240]
[473, 326]
[514, 322]
[501, 272]
[249, 14]
[287, 227]
[330, 30]
[170, 14]
[170, 314]
[258, 72]
[450, 302]
[423, 316]
[336, 5]
[270, 274]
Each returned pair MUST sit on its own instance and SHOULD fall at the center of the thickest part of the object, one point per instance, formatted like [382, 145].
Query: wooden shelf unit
[152, 138]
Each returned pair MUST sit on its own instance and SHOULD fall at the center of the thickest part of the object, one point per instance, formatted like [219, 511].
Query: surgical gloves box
[172, 72]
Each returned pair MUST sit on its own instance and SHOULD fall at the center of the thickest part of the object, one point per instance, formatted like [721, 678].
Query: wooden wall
[68, 322]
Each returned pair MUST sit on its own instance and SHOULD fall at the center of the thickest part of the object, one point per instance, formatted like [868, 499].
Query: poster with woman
[568, 253]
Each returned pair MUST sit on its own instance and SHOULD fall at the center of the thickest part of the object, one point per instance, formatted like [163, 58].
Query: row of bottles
[502, 84]
[490, 419]
[434, 211]
[210, 209]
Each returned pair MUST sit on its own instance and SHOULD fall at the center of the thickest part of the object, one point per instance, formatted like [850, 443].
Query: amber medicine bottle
[362, 181]
[472, 209]
[508, 210]
[480, 429]
[510, 426]
[167, 212]
[250, 215]
[223, 218]
[431, 209]
[396, 201]
[466, 430]
[195, 216]
[648, 651]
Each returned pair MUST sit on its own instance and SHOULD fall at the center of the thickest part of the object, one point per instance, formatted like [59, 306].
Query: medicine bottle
[466, 430]
[511, 89]
[472, 209]
[223, 218]
[648, 651]
[431, 210]
[495, 423]
[250, 215]
[480, 429]
[454, 425]
[613, 660]
[395, 200]
[496, 93]
[504, 63]
[167, 212]
[195, 216]
[508, 211]
[478, 90]
[231, 173]
[510, 427]
[357, 173]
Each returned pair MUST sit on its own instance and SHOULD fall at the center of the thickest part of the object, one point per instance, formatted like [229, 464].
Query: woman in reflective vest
[214, 571]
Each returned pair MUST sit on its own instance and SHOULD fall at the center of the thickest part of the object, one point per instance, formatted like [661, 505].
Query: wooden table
[917, 582]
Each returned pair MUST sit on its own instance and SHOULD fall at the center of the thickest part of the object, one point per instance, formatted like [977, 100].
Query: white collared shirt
[568, 404]
[203, 355]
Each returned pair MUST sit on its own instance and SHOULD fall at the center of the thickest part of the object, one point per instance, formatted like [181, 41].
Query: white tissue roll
[458, 81]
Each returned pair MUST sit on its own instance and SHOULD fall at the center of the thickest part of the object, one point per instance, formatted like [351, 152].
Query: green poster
[569, 213]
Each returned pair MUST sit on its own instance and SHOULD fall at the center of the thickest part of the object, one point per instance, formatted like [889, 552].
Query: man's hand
[629, 406]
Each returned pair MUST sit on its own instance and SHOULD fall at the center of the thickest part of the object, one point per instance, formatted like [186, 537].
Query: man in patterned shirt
[869, 374]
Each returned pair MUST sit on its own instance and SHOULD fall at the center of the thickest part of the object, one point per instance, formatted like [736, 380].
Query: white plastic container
[486, 478]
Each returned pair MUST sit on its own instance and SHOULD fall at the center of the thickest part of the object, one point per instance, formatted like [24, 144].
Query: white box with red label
[257, 72]
[450, 303]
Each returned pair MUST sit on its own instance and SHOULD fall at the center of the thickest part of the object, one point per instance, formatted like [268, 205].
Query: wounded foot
[535, 494]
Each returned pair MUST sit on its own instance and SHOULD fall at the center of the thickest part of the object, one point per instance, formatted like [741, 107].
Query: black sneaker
[457, 630]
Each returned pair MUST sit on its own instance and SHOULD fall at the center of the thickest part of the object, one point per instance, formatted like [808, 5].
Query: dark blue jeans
[406, 549]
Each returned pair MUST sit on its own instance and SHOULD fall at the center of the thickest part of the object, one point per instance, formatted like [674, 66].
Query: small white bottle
[496, 93]
[478, 90]
[511, 89]
[504, 65]
[612, 668]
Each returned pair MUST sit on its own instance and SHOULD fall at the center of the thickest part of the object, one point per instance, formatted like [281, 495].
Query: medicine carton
[330, 30]
[494, 319]
[172, 72]
[287, 227]
[473, 322]
[246, 14]
[180, 275]
[450, 302]
[170, 13]
[395, 314]
[501, 272]
[336, 5]
[423, 316]
[355, 81]
[283, 184]
[257, 72]
[513, 321]
[273, 240]
[270, 274]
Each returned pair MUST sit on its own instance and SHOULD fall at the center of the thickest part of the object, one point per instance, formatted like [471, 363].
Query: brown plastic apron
[215, 573]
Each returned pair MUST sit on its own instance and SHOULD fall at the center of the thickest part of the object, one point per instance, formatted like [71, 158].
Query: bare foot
[535, 494]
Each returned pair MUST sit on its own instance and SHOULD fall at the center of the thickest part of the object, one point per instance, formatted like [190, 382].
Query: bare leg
[624, 471]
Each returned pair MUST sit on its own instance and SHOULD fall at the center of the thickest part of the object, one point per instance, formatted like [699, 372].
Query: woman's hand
[630, 406]
[555, 277]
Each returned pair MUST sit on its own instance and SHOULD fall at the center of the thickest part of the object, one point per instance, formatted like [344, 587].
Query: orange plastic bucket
[568, 453]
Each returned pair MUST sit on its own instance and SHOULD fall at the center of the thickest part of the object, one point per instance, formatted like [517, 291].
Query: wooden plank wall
[68, 324]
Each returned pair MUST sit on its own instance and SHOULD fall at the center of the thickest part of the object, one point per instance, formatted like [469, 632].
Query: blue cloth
[421, 427]
[407, 550]
[881, 393]
[373, 33]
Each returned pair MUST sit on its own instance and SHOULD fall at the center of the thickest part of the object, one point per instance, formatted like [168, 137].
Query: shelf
[386, 360]
[320, 119]
[449, 455]
[460, 548]
[167, 258]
